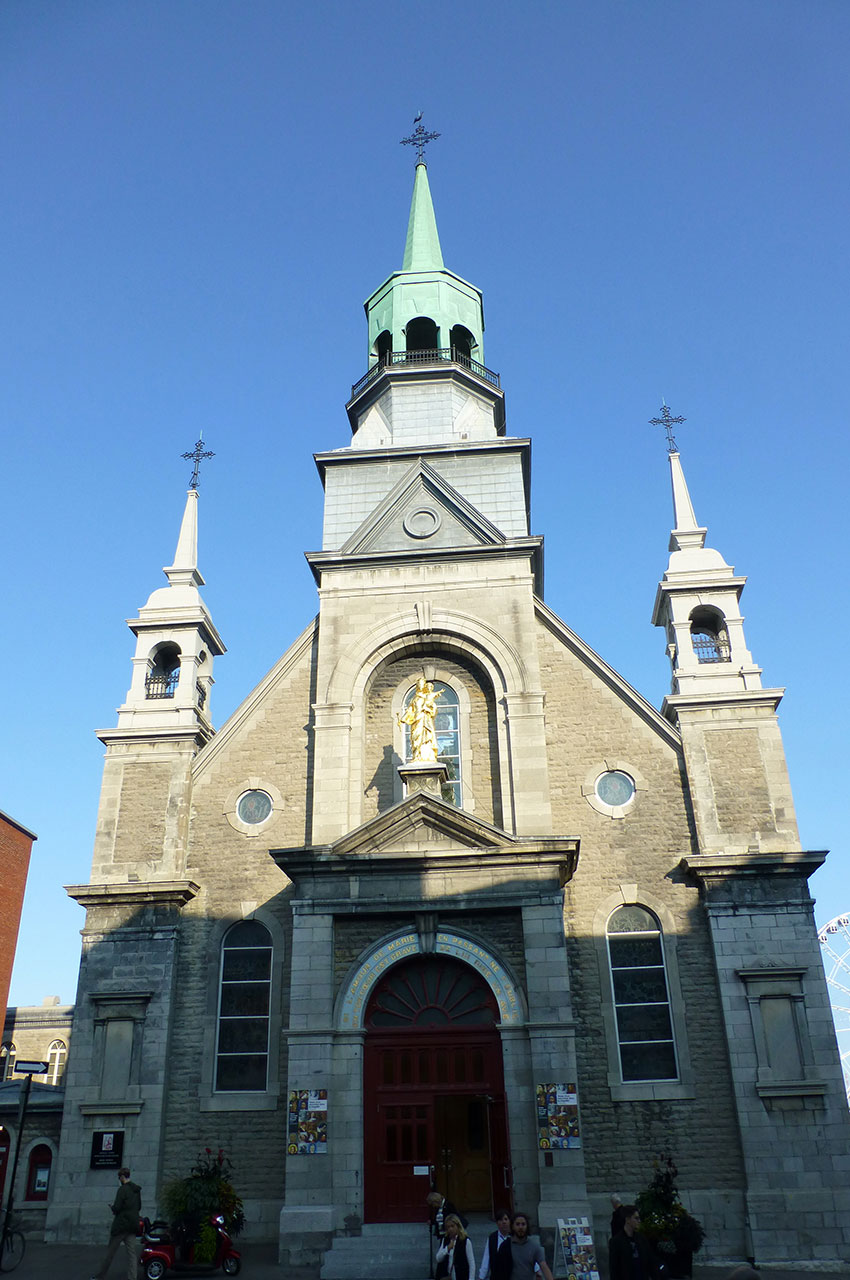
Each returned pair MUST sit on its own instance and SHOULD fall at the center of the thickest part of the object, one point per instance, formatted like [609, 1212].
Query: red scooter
[159, 1253]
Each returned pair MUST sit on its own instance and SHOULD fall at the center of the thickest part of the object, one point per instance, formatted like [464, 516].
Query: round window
[615, 788]
[254, 807]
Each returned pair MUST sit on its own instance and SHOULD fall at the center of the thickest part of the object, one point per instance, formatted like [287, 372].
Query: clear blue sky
[197, 196]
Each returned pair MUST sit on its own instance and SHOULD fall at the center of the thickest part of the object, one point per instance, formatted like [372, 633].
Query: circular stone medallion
[422, 523]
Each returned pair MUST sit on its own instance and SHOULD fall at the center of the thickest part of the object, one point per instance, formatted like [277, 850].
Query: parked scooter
[160, 1249]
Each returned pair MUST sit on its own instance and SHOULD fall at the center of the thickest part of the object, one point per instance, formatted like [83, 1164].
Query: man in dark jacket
[496, 1264]
[629, 1254]
[126, 1208]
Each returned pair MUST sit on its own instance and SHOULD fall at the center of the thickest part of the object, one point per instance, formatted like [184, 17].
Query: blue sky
[199, 194]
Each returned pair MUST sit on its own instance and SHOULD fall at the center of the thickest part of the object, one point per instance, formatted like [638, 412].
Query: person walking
[496, 1262]
[126, 1209]
[629, 1254]
[455, 1258]
[527, 1256]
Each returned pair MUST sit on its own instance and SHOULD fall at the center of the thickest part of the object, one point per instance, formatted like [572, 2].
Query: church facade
[580, 938]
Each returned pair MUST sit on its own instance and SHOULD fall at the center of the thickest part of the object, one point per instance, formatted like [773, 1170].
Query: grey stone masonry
[788, 1084]
[118, 1067]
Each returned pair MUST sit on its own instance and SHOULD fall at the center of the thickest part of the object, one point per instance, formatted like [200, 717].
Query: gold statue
[419, 714]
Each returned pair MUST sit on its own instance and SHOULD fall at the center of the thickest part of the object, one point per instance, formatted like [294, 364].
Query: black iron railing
[711, 648]
[439, 355]
[162, 684]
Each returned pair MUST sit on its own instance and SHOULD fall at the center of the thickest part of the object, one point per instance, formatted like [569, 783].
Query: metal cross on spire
[197, 454]
[668, 422]
[419, 139]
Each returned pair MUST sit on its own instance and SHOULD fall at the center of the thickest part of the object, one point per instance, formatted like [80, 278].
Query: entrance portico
[419, 1002]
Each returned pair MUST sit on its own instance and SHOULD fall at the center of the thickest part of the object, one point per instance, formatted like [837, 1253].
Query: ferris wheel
[834, 939]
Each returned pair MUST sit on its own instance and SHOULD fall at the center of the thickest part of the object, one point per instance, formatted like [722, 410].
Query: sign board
[557, 1116]
[107, 1149]
[574, 1250]
[30, 1068]
[308, 1122]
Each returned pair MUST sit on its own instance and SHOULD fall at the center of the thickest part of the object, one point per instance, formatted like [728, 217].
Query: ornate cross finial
[419, 139]
[196, 455]
[668, 422]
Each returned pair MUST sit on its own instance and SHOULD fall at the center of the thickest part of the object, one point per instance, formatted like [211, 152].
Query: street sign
[31, 1068]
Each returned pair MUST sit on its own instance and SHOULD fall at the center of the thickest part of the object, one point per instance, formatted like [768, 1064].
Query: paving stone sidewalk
[259, 1262]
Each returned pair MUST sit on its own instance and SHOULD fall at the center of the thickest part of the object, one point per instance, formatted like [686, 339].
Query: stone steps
[385, 1251]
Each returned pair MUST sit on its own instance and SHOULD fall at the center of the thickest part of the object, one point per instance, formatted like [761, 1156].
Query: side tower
[116, 1079]
[753, 879]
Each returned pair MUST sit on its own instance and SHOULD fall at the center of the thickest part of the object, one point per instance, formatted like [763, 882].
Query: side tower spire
[727, 720]
[176, 642]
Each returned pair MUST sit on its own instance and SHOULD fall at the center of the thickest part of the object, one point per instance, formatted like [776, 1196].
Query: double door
[435, 1117]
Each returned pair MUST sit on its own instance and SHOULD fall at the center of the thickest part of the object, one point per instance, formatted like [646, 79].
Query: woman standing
[455, 1258]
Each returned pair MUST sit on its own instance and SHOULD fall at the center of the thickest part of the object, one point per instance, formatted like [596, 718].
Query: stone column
[552, 1055]
[307, 1218]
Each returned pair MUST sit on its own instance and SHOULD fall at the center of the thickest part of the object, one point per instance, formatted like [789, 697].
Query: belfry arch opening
[709, 636]
[163, 673]
[463, 344]
[421, 334]
[434, 1093]
[384, 346]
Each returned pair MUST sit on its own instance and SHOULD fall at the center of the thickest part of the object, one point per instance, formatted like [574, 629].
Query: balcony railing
[439, 355]
[161, 684]
[711, 648]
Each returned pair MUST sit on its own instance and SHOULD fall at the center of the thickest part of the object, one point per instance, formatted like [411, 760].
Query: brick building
[15, 849]
[581, 936]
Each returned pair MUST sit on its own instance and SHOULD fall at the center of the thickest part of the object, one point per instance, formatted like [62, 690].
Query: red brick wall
[15, 848]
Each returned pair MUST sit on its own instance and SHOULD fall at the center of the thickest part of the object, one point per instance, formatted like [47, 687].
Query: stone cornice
[511, 549]
[161, 893]
[712, 698]
[713, 867]
[540, 865]
[197, 735]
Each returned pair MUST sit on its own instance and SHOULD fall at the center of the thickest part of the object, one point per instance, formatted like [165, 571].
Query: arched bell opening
[421, 334]
[463, 344]
[384, 346]
[434, 1080]
[709, 636]
[163, 672]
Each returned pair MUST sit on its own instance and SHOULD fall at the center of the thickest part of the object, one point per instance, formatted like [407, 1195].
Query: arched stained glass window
[641, 999]
[447, 729]
[242, 1053]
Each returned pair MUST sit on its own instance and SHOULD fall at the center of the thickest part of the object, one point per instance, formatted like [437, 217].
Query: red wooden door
[433, 1092]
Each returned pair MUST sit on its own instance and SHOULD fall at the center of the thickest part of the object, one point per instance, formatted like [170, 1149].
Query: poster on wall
[308, 1122]
[575, 1252]
[557, 1116]
[107, 1149]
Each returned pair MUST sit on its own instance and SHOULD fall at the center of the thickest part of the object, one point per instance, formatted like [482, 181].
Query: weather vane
[419, 139]
[196, 455]
[668, 422]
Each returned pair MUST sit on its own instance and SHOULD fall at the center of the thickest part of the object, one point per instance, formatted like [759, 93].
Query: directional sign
[31, 1068]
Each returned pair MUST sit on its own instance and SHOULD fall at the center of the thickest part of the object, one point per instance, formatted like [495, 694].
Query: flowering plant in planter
[663, 1218]
[190, 1202]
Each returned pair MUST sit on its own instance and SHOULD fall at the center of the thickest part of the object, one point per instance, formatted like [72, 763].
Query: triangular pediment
[421, 512]
[421, 821]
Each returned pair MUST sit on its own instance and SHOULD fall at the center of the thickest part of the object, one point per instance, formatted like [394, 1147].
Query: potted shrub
[189, 1203]
[675, 1234]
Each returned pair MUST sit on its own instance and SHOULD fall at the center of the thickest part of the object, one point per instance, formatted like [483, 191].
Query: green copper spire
[422, 249]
